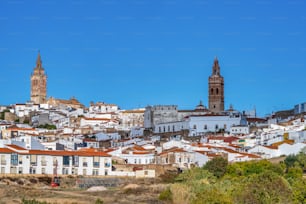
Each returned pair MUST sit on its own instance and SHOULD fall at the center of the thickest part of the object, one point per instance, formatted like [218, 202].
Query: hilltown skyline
[136, 54]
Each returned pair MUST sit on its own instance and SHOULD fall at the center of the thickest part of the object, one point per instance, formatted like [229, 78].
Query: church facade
[38, 83]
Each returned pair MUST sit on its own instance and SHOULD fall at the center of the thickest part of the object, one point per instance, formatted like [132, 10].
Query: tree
[266, 187]
[290, 160]
[217, 166]
[213, 196]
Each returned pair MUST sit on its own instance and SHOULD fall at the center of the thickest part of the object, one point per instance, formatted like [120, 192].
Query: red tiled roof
[15, 147]
[253, 120]
[68, 153]
[172, 150]
[20, 129]
[105, 119]
[6, 150]
[250, 155]
[271, 147]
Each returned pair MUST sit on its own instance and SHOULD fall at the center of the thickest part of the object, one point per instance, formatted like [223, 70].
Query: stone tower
[38, 83]
[216, 89]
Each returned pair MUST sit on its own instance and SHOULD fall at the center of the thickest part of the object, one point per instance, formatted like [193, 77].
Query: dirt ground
[13, 190]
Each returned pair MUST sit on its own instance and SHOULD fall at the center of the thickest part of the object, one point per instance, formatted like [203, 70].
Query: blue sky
[143, 52]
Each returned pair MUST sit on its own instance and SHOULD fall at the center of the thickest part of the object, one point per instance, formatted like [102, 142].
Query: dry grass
[180, 193]
[12, 190]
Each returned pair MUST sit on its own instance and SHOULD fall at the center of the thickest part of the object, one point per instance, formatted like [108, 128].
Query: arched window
[217, 91]
[211, 91]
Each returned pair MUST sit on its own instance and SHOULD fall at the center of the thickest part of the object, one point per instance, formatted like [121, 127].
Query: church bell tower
[38, 83]
[216, 89]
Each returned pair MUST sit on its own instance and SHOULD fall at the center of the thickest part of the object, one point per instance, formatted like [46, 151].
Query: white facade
[132, 118]
[138, 158]
[300, 108]
[239, 130]
[101, 107]
[198, 125]
[171, 127]
[18, 161]
[99, 123]
[22, 110]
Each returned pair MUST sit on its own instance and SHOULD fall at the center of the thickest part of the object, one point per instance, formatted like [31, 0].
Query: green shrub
[99, 201]
[166, 195]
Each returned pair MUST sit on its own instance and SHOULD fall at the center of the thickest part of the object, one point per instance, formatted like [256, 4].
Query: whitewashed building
[240, 130]
[17, 160]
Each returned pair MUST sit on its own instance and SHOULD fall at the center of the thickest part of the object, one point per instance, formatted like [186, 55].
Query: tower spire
[38, 61]
[216, 67]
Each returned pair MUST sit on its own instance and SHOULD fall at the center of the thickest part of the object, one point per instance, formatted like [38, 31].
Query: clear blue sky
[146, 52]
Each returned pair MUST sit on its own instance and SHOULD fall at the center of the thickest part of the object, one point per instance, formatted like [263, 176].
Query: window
[224, 127]
[3, 161]
[84, 172]
[13, 170]
[43, 170]
[205, 127]
[65, 171]
[211, 91]
[66, 160]
[20, 159]
[32, 170]
[43, 161]
[75, 160]
[14, 159]
[217, 91]
[33, 159]
[95, 172]
[84, 162]
[96, 162]
[194, 126]
[159, 129]
[145, 173]
[217, 127]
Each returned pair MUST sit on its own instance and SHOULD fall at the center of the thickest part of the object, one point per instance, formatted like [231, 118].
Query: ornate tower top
[216, 67]
[216, 89]
[38, 83]
[38, 62]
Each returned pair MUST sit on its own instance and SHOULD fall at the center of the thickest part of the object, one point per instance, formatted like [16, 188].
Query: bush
[166, 195]
[99, 201]
[32, 201]
[217, 166]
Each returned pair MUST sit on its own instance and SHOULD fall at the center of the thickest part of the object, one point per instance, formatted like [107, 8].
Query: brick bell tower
[216, 89]
[38, 83]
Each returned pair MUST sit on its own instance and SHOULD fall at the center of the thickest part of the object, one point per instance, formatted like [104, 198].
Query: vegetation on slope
[244, 182]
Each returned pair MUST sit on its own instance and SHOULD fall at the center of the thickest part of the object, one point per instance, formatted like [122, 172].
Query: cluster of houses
[104, 140]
